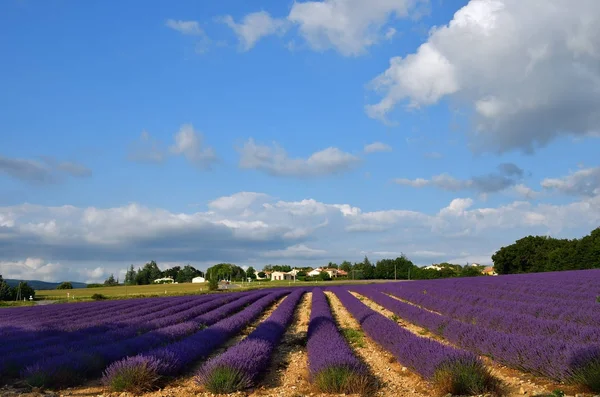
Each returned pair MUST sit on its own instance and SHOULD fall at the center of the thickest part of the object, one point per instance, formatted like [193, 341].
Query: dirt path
[394, 379]
[517, 383]
[288, 373]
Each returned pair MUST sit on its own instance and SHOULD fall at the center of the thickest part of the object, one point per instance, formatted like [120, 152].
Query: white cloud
[188, 143]
[238, 201]
[251, 228]
[348, 26]
[255, 26]
[191, 28]
[508, 74]
[525, 192]
[274, 160]
[585, 182]
[377, 147]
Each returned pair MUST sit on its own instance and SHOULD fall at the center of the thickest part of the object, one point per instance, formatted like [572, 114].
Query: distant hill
[39, 285]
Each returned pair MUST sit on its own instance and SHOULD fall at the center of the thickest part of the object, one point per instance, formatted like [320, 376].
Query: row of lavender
[73, 356]
[559, 340]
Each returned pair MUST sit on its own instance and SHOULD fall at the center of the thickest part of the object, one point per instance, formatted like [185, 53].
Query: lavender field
[456, 336]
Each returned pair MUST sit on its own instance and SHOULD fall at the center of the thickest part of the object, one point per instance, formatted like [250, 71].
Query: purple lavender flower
[240, 366]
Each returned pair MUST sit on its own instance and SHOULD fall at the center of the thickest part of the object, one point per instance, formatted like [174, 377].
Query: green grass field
[132, 291]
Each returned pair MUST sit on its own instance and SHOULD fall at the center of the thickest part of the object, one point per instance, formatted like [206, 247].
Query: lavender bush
[332, 364]
[176, 357]
[240, 366]
[453, 370]
[136, 374]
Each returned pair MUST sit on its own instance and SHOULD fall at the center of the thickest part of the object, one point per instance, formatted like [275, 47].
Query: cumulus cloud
[274, 160]
[191, 28]
[47, 171]
[238, 202]
[253, 229]
[377, 147]
[509, 83]
[508, 175]
[585, 182]
[188, 143]
[255, 26]
[348, 26]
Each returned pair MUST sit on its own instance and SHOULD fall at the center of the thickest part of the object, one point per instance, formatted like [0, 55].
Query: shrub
[98, 297]
[464, 376]
[586, 367]
[225, 379]
[94, 285]
[136, 374]
[341, 379]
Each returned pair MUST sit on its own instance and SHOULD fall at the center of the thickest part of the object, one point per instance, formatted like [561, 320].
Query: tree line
[150, 272]
[544, 254]
[20, 291]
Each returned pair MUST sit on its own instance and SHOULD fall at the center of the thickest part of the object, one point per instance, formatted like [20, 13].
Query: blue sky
[292, 132]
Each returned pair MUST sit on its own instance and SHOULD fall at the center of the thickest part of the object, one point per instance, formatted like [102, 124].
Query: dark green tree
[262, 274]
[346, 266]
[186, 274]
[364, 270]
[24, 290]
[172, 272]
[324, 276]
[65, 285]
[130, 276]
[110, 281]
[227, 271]
[251, 273]
[5, 290]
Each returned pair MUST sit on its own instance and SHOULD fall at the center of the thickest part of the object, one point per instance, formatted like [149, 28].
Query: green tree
[186, 274]
[172, 272]
[262, 274]
[22, 291]
[5, 290]
[324, 276]
[542, 253]
[213, 284]
[332, 265]
[346, 266]
[364, 270]
[110, 281]
[148, 274]
[65, 285]
[227, 271]
[471, 271]
[281, 268]
[251, 273]
[130, 276]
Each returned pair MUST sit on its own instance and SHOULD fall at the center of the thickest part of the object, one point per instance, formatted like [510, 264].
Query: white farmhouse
[281, 276]
[198, 280]
[315, 272]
